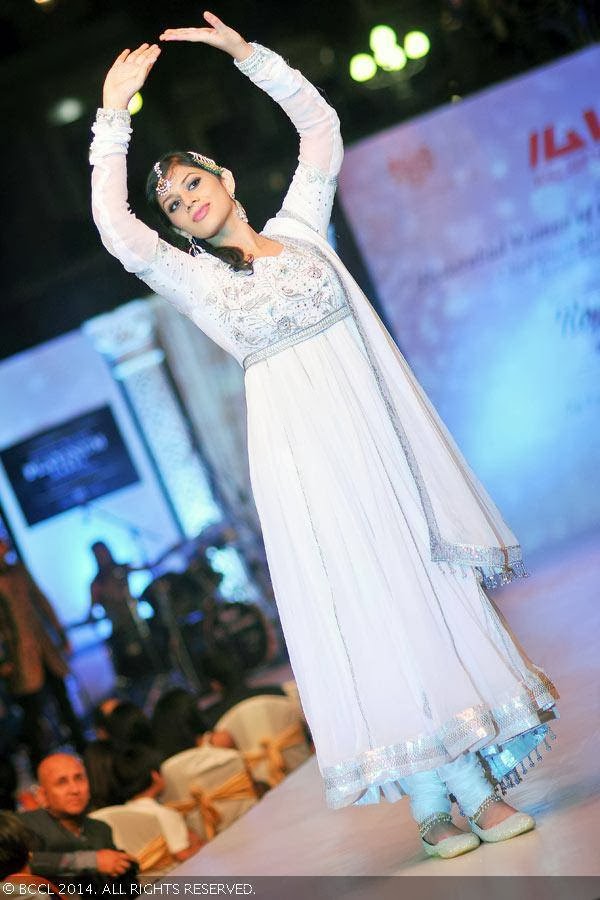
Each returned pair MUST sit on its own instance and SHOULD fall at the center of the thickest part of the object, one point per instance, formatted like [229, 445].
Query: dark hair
[98, 758]
[224, 668]
[99, 717]
[8, 783]
[16, 844]
[133, 771]
[233, 256]
[127, 725]
[177, 722]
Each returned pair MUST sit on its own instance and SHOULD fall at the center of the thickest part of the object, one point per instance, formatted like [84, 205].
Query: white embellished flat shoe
[454, 845]
[518, 823]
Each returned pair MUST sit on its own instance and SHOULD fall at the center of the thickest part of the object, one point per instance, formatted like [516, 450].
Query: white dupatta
[465, 526]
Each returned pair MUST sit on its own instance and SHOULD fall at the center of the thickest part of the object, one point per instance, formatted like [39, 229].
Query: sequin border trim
[488, 559]
[296, 337]
[255, 61]
[471, 729]
[107, 116]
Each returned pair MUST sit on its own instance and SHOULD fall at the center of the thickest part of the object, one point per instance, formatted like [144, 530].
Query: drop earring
[241, 212]
[196, 248]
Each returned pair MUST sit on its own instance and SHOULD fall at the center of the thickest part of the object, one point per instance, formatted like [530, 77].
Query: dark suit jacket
[58, 851]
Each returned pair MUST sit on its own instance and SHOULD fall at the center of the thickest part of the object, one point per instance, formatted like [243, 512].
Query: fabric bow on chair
[138, 832]
[238, 787]
[155, 855]
[272, 751]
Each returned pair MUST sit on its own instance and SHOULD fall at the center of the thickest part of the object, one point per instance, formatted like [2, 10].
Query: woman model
[380, 540]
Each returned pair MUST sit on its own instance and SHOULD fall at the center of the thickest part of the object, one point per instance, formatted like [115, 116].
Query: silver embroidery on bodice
[286, 293]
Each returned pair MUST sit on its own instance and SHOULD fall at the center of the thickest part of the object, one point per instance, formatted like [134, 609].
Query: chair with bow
[291, 691]
[138, 833]
[212, 787]
[269, 731]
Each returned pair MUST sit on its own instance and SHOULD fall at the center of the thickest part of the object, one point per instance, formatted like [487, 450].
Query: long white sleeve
[170, 272]
[310, 195]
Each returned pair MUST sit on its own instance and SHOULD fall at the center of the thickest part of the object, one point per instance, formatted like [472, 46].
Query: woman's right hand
[127, 75]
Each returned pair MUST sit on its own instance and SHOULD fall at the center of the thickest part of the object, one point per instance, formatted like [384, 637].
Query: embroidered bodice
[242, 312]
[285, 294]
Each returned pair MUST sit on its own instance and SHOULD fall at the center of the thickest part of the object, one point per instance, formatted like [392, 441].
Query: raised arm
[165, 269]
[310, 195]
[311, 192]
[124, 236]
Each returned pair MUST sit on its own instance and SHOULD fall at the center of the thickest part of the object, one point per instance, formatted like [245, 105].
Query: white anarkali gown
[379, 538]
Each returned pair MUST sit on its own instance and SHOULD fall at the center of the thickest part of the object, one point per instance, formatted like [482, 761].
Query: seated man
[67, 843]
[140, 781]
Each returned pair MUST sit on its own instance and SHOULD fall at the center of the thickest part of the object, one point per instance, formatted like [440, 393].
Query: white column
[127, 340]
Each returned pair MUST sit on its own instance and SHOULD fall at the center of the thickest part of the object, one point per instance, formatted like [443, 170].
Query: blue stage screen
[68, 465]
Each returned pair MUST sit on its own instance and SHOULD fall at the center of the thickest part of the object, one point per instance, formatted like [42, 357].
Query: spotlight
[416, 44]
[67, 110]
[382, 36]
[42, 2]
[362, 67]
[391, 59]
[135, 104]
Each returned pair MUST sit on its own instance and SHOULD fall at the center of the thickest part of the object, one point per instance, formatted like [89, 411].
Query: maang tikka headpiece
[163, 185]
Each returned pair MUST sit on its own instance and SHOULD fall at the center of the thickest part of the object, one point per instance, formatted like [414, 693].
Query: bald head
[64, 788]
[56, 762]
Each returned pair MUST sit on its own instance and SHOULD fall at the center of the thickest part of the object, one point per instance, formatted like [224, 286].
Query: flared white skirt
[401, 663]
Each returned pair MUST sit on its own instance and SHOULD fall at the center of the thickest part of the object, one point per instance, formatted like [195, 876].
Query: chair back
[138, 833]
[291, 691]
[210, 786]
[268, 730]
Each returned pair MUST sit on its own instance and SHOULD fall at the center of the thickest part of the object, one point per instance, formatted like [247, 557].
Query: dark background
[55, 272]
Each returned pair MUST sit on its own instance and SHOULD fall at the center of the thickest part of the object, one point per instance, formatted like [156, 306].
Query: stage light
[416, 44]
[135, 104]
[362, 67]
[145, 610]
[392, 59]
[42, 2]
[67, 110]
[382, 36]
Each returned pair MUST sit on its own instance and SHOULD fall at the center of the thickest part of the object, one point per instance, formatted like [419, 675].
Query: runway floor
[555, 613]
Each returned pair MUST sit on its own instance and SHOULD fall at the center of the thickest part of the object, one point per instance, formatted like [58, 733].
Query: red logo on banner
[413, 169]
[544, 146]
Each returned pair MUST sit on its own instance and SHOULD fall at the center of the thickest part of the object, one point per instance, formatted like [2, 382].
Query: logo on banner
[545, 146]
[414, 169]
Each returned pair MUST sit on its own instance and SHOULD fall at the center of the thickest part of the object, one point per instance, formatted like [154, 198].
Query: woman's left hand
[218, 35]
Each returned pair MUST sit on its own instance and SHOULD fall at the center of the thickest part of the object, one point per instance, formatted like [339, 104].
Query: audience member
[16, 877]
[101, 713]
[127, 726]
[33, 651]
[67, 842]
[15, 845]
[138, 773]
[178, 724]
[228, 679]
[8, 783]
[98, 759]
